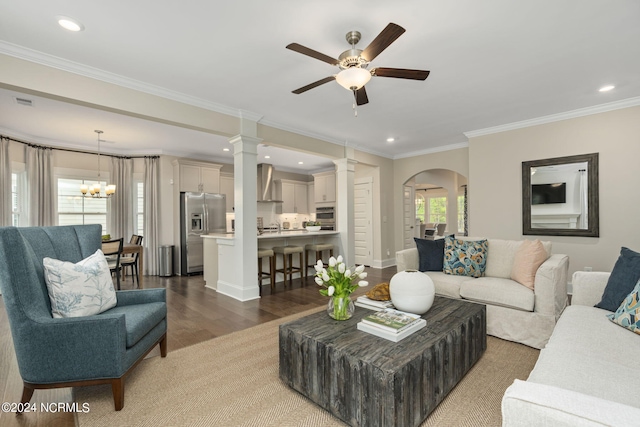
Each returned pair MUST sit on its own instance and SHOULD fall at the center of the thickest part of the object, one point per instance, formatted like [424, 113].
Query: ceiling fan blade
[312, 53]
[361, 96]
[390, 33]
[314, 84]
[400, 73]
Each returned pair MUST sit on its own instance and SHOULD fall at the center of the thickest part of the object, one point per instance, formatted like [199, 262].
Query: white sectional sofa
[514, 312]
[585, 375]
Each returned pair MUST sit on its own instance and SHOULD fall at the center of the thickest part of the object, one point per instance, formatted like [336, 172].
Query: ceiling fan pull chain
[355, 110]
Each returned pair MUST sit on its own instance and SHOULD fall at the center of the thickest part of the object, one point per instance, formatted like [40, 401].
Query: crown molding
[581, 112]
[105, 76]
[439, 149]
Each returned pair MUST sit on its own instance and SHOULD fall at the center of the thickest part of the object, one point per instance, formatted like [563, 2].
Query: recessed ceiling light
[69, 23]
[606, 88]
[225, 149]
[301, 163]
[390, 139]
[267, 157]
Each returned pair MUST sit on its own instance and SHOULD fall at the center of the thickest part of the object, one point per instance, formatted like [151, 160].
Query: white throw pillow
[81, 289]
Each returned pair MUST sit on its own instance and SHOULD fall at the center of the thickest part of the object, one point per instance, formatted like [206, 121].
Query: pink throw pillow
[529, 257]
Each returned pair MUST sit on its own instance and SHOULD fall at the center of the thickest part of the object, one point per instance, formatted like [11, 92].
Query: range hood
[265, 183]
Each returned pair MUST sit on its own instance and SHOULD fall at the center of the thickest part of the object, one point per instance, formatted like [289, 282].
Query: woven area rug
[233, 381]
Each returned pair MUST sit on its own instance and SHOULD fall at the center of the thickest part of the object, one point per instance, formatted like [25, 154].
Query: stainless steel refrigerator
[200, 213]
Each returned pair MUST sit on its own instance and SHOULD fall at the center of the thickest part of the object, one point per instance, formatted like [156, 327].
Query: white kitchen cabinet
[325, 187]
[293, 195]
[196, 176]
[226, 188]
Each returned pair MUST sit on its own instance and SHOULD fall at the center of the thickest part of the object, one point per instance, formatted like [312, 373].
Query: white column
[238, 263]
[345, 172]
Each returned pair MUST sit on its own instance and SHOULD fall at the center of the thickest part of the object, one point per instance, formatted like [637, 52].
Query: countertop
[275, 235]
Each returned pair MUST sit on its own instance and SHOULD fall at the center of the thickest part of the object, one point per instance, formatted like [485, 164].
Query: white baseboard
[384, 263]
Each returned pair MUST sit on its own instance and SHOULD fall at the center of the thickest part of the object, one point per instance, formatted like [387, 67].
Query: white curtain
[40, 186]
[121, 213]
[151, 209]
[5, 183]
[583, 220]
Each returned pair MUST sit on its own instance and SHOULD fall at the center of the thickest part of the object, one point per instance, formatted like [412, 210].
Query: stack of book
[372, 304]
[391, 324]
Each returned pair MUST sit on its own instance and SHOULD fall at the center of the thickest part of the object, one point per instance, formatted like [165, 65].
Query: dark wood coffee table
[368, 381]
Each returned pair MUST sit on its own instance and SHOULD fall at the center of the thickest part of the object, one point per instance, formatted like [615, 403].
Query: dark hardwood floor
[195, 314]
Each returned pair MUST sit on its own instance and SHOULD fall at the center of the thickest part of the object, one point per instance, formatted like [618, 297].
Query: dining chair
[132, 261]
[112, 250]
[123, 259]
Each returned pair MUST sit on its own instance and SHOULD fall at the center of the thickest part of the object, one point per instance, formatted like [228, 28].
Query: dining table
[131, 248]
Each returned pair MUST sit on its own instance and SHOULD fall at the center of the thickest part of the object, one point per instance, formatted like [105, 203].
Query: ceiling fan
[353, 63]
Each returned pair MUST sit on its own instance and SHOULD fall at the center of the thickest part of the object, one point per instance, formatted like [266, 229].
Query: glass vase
[340, 307]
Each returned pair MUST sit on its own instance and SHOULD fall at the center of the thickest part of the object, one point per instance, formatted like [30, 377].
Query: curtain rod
[70, 150]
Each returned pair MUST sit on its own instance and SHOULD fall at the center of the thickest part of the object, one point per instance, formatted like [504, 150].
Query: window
[75, 209]
[437, 209]
[15, 201]
[461, 213]
[420, 205]
[139, 214]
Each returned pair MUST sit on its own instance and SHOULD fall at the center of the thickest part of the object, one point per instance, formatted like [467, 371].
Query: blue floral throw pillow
[81, 289]
[465, 257]
[628, 314]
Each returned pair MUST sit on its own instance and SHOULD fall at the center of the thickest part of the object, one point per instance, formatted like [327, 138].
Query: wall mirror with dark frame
[560, 196]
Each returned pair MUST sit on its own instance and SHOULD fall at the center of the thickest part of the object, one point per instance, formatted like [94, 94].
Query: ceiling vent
[24, 101]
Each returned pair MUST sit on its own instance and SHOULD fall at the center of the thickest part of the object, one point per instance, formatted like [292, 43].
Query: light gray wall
[495, 192]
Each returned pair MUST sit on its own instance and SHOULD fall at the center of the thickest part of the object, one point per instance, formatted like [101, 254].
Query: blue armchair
[76, 351]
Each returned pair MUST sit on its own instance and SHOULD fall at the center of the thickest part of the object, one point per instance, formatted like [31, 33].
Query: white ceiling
[492, 63]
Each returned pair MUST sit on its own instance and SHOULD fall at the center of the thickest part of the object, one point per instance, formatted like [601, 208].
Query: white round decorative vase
[412, 291]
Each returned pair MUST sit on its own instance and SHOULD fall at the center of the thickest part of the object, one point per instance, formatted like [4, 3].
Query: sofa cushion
[430, 254]
[529, 257]
[501, 254]
[624, 276]
[497, 291]
[628, 314]
[446, 284]
[140, 319]
[464, 257]
[584, 331]
[81, 289]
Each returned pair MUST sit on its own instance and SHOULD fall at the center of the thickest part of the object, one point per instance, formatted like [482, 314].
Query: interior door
[363, 223]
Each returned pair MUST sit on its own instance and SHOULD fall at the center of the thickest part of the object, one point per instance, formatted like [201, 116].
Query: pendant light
[95, 190]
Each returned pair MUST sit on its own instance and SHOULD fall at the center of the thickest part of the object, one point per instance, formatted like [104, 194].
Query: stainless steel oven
[327, 218]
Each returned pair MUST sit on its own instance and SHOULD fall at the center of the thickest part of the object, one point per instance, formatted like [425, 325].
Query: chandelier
[95, 190]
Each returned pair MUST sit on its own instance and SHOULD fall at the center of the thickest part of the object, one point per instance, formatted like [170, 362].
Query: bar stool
[318, 249]
[287, 261]
[264, 253]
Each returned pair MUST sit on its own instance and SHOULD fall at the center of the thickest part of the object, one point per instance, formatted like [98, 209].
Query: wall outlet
[388, 252]
[588, 269]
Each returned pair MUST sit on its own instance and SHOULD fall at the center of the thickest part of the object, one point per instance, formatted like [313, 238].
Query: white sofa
[514, 312]
[585, 375]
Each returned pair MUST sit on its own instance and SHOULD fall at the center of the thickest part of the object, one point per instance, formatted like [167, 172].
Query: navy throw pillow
[430, 254]
[623, 279]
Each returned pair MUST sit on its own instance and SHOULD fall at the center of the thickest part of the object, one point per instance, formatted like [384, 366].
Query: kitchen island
[218, 246]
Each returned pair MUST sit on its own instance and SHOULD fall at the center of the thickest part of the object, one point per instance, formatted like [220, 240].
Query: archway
[434, 196]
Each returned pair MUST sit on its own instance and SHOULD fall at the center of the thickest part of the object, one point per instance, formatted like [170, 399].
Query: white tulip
[359, 269]
[347, 273]
[341, 268]
[319, 281]
[320, 264]
[340, 259]
[363, 283]
[318, 268]
[362, 275]
[325, 276]
[331, 290]
[332, 262]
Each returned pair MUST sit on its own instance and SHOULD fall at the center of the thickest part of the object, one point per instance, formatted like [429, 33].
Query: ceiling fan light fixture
[353, 78]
